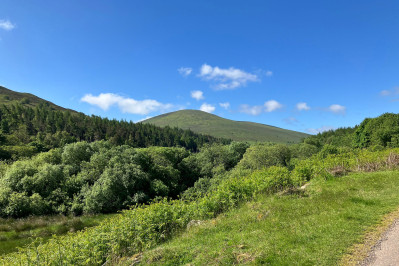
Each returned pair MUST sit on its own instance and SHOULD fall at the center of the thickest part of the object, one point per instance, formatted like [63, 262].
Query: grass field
[315, 227]
[16, 233]
[205, 123]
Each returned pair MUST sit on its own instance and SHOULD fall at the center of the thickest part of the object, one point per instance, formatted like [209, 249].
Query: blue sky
[300, 65]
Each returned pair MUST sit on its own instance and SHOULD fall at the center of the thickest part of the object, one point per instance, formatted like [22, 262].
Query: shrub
[262, 156]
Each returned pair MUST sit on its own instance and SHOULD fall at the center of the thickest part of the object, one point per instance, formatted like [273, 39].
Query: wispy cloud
[269, 73]
[185, 71]
[272, 105]
[291, 120]
[251, 110]
[6, 25]
[320, 129]
[337, 109]
[207, 108]
[198, 95]
[226, 79]
[394, 91]
[385, 93]
[126, 105]
[225, 105]
[267, 107]
[302, 107]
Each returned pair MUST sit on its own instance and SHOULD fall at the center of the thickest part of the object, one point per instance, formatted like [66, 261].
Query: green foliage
[303, 150]
[327, 150]
[383, 131]
[145, 226]
[29, 129]
[341, 137]
[101, 178]
[17, 233]
[265, 155]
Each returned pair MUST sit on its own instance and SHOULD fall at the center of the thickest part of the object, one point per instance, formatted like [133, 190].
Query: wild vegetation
[145, 226]
[195, 182]
[15, 233]
[314, 226]
[101, 178]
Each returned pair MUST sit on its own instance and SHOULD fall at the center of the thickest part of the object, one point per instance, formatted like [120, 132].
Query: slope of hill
[205, 123]
[29, 125]
[8, 97]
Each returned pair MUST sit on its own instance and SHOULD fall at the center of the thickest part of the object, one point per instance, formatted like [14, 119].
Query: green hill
[205, 123]
[8, 97]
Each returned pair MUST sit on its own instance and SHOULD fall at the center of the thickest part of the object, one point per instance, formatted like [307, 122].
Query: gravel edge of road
[363, 253]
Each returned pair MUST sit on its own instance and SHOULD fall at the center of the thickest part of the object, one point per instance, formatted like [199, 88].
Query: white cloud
[337, 109]
[104, 100]
[268, 107]
[185, 71]
[320, 129]
[198, 95]
[225, 105]
[251, 110]
[6, 25]
[126, 105]
[226, 79]
[207, 108]
[272, 105]
[302, 107]
[394, 91]
[269, 73]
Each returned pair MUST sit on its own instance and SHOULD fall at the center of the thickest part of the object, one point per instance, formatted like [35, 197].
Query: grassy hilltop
[8, 97]
[205, 123]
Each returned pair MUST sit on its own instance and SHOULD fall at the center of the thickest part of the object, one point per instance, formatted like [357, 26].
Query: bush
[262, 156]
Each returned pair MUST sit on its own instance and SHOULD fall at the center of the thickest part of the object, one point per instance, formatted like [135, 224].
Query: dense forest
[25, 131]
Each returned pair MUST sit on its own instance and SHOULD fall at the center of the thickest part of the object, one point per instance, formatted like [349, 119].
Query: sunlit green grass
[205, 123]
[312, 228]
[16, 233]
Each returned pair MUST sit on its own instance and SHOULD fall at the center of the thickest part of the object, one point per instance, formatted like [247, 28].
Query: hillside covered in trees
[25, 131]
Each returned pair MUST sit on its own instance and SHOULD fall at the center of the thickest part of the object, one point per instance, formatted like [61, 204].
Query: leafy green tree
[262, 156]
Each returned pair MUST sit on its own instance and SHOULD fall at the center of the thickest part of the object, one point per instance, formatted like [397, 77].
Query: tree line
[377, 133]
[25, 131]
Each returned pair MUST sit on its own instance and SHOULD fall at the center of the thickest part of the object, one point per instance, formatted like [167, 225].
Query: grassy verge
[312, 228]
[15, 233]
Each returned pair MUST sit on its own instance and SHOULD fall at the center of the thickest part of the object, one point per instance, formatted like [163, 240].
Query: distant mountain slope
[9, 97]
[205, 123]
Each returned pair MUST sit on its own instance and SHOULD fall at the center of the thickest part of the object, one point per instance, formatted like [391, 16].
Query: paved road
[386, 252]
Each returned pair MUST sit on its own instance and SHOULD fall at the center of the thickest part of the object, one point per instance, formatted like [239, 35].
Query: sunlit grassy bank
[17, 233]
[315, 227]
